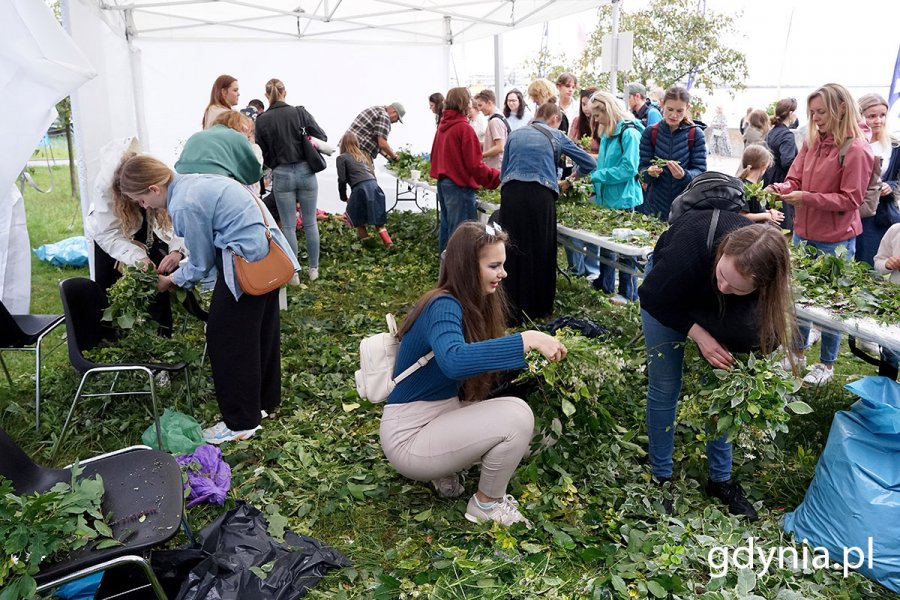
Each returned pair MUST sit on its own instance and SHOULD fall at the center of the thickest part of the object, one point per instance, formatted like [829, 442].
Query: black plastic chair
[25, 333]
[83, 304]
[143, 500]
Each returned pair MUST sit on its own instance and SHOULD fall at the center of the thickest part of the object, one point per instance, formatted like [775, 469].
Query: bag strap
[265, 221]
[713, 223]
[392, 329]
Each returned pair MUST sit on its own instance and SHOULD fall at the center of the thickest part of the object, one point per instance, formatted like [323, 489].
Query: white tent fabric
[382, 22]
[39, 66]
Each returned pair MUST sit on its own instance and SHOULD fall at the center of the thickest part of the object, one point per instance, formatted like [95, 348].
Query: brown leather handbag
[260, 277]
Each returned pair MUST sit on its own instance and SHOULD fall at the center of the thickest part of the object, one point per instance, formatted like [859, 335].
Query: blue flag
[894, 94]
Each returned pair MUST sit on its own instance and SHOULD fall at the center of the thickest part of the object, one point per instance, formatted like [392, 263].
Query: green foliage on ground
[317, 465]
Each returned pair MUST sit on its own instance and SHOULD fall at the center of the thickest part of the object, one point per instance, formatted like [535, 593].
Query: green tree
[672, 40]
[547, 65]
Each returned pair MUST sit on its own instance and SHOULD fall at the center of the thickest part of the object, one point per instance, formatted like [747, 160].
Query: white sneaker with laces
[819, 374]
[219, 433]
[313, 273]
[449, 486]
[814, 336]
[786, 363]
[504, 511]
[619, 300]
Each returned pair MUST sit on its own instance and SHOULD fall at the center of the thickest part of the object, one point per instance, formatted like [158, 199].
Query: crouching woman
[216, 215]
[427, 433]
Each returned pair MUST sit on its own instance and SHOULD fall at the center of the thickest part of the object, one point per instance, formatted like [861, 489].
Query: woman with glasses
[439, 421]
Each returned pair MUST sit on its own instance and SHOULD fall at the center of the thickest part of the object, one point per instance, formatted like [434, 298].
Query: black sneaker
[666, 493]
[731, 493]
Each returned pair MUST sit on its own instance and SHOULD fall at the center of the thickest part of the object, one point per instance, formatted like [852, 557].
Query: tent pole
[137, 81]
[498, 66]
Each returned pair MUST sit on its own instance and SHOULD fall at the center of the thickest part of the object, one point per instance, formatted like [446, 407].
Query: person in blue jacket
[438, 421]
[615, 181]
[678, 141]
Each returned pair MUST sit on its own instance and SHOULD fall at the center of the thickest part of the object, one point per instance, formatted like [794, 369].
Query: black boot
[665, 488]
[731, 493]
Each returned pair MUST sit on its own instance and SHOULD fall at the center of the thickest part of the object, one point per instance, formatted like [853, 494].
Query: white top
[890, 246]
[515, 122]
[479, 124]
[884, 151]
[573, 108]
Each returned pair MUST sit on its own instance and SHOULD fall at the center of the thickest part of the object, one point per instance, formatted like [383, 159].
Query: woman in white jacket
[125, 234]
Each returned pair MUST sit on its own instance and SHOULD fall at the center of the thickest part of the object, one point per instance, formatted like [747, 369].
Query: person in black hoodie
[783, 145]
[730, 294]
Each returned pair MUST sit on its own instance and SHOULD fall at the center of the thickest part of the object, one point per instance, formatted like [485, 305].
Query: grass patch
[599, 530]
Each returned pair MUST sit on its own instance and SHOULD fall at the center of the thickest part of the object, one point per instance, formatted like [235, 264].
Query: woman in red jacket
[457, 165]
[826, 186]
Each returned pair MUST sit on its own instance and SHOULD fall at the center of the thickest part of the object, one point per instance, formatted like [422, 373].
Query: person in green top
[223, 149]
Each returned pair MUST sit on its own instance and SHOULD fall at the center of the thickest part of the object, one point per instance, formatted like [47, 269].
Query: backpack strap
[842, 153]
[414, 367]
[620, 135]
[711, 235]
[502, 118]
[692, 135]
[544, 130]
[654, 131]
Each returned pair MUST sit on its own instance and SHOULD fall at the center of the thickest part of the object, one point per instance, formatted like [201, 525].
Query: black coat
[278, 133]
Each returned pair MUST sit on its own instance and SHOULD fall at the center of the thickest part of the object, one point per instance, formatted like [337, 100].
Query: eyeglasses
[493, 229]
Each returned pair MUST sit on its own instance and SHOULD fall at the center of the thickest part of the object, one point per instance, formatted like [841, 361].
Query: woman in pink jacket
[826, 185]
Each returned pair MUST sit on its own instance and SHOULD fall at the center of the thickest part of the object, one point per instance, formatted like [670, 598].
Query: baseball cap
[635, 88]
[401, 112]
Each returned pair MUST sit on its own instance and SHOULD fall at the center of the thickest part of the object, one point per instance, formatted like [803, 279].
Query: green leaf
[746, 582]
[619, 585]
[423, 516]
[656, 589]
[567, 407]
[800, 407]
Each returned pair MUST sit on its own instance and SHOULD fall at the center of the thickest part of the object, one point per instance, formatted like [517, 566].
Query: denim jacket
[529, 156]
[214, 213]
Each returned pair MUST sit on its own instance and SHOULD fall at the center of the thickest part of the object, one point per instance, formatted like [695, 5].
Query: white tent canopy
[382, 22]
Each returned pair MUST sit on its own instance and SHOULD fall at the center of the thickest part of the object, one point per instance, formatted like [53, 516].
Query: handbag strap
[265, 222]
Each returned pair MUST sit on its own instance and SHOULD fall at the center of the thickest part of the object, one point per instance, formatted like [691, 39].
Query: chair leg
[155, 410]
[62, 434]
[115, 380]
[9, 379]
[187, 381]
[37, 387]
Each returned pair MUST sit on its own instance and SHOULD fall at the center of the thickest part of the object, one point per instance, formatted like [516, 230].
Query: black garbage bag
[585, 327]
[239, 540]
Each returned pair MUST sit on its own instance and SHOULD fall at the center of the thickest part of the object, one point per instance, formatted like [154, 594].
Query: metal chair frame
[36, 348]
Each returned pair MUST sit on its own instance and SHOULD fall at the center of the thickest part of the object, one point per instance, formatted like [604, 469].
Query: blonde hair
[609, 104]
[135, 174]
[542, 91]
[274, 91]
[235, 120]
[844, 125]
[756, 156]
[865, 103]
[349, 144]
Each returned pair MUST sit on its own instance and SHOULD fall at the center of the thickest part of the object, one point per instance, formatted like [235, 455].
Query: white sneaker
[786, 363]
[870, 348]
[504, 511]
[263, 414]
[219, 433]
[449, 486]
[295, 280]
[814, 336]
[619, 300]
[313, 273]
[819, 374]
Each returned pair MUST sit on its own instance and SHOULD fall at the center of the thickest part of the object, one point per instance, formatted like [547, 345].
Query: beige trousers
[427, 440]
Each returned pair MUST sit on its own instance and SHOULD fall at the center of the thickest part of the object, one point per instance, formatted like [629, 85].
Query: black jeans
[244, 341]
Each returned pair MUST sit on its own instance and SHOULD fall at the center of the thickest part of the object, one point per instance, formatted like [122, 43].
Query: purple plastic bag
[208, 476]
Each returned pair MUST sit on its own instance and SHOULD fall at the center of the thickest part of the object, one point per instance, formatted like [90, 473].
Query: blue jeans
[294, 183]
[831, 342]
[665, 361]
[456, 204]
[627, 281]
[583, 265]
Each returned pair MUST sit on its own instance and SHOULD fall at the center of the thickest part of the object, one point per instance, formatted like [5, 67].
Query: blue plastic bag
[70, 252]
[80, 589]
[855, 494]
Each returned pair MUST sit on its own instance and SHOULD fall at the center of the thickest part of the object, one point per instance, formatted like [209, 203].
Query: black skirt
[528, 215]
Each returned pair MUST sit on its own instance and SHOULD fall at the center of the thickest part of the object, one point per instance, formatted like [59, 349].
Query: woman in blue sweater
[427, 432]
[678, 141]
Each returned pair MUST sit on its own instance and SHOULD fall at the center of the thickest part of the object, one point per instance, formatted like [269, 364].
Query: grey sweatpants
[427, 440]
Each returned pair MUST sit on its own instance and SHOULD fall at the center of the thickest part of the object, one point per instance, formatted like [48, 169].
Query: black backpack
[709, 191]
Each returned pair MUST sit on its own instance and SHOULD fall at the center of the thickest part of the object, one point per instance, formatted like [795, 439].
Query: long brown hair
[135, 173]
[761, 253]
[583, 122]
[222, 83]
[483, 315]
[677, 93]
[349, 144]
[783, 109]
